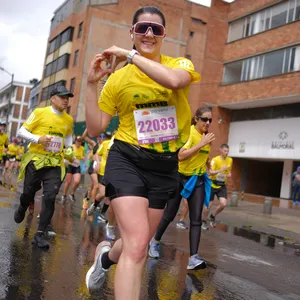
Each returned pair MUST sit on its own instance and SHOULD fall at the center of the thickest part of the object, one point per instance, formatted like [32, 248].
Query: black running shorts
[73, 170]
[135, 171]
[220, 192]
[100, 178]
[91, 168]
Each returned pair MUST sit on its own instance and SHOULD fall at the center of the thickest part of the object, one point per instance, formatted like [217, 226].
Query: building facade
[247, 51]
[34, 96]
[14, 100]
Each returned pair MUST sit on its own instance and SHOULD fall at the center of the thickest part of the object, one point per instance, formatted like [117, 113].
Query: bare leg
[68, 182]
[220, 207]
[131, 251]
[76, 182]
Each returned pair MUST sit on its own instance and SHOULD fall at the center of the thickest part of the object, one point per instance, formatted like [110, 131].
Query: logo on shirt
[152, 104]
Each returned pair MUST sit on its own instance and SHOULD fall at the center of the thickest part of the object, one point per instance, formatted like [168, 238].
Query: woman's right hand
[96, 72]
[207, 139]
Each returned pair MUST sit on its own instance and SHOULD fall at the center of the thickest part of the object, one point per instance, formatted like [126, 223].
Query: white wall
[254, 139]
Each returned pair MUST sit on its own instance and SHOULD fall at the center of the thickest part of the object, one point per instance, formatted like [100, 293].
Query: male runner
[47, 129]
[3, 146]
[219, 173]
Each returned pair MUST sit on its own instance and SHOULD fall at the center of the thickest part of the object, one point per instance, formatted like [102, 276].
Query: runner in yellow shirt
[193, 158]
[12, 152]
[48, 129]
[74, 171]
[3, 146]
[150, 95]
[220, 171]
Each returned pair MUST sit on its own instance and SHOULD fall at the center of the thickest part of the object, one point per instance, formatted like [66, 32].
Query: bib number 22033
[156, 125]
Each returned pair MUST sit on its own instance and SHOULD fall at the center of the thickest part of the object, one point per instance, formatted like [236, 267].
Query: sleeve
[213, 165]
[189, 143]
[187, 65]
[27, 135]
[32, 121]
[68, 140]
[230, 165]
[107, 100]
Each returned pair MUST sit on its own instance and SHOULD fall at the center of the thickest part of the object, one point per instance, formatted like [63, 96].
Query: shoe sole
[200, 266]
[92, 269]
[34, 243]
[179, 227]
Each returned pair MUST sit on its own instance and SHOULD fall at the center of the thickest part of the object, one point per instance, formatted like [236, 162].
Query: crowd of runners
[153, 161]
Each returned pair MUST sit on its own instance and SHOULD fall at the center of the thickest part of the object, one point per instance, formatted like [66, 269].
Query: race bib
[221, 177]
[55, 145]
[154, 125]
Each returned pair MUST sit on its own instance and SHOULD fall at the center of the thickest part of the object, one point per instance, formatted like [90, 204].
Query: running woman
[150, 95]
[74, 171]
[10, 164]
[3, 146]
[47, 129]
[193, 158]
[219, 173]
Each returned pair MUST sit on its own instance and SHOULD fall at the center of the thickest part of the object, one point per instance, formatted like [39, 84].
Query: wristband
[131, 54]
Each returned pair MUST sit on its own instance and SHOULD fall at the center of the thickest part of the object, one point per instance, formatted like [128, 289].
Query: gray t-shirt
[296, 178]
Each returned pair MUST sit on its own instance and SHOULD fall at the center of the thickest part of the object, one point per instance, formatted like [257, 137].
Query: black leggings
[50, 177]
[195, 202]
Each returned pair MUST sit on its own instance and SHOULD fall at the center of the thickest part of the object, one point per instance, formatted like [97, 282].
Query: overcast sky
[24, 30]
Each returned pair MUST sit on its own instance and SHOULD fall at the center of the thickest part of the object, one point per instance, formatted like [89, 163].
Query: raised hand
[96, 72]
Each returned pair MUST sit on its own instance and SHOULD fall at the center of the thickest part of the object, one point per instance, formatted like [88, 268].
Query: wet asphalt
[242, 263]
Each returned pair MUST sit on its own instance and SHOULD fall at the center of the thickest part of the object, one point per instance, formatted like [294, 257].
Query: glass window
[233, 71]
[51, 46]
[76, 56]
[291, 10]
[80, 28]
[72, 85]
[273, 63]
[297, 15]
[63, 62]
[236, 29]
[279, 14]
[67, 36]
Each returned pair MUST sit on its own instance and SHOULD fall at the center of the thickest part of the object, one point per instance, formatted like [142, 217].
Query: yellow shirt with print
[3, 143]
[13, 149]
[195, 165]
[78, 152]
[103, 152]
[218, 163]
[129, 89]
[43, 121]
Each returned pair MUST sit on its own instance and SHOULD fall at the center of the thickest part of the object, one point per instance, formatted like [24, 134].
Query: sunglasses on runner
[143, 27]
[205, 120]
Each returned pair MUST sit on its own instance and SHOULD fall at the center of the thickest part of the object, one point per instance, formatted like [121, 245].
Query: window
[61, 39]
[61, 63]
[192, 33]
[272, 17]
[76, 55]
[67, 35]
[269, 64]
[279, 14]
[80, 28]
[72, 85]
[47, 90]
[188, 56]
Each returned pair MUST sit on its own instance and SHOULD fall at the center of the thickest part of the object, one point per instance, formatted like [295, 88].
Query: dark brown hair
[199, 112]
[148, 10]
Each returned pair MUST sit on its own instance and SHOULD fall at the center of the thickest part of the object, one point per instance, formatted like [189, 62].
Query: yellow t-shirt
[195, 165]
[3, 142]
[12, 149]
[216, 164]
[78, 152]
[132, 94]
[103, 152]
[43, 121]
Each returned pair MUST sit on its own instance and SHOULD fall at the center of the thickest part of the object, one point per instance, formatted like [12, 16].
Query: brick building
[15, 96]
[247, 51]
